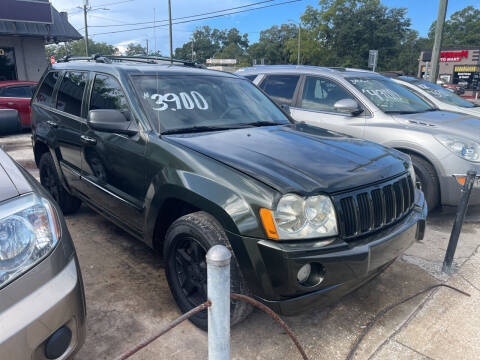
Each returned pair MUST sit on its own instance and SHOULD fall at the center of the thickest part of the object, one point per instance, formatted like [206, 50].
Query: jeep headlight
[29, 230]
[464, 148]
[303, 218]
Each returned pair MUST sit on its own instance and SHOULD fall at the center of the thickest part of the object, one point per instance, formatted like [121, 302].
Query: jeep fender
[229, 208]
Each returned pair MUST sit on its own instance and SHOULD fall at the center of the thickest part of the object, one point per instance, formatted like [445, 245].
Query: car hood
[445, 121]
[299, 158]
[12, 181]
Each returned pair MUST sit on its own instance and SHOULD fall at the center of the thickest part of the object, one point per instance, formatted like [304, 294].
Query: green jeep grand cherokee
[185, 158]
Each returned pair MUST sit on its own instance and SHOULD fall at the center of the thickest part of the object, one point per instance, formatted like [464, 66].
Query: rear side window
[250, 77]
[44, 95]
[16, 92]
[281, 88]
[107, 94]
[70, 93]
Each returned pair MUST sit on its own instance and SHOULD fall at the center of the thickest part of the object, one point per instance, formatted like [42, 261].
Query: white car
[438, 96]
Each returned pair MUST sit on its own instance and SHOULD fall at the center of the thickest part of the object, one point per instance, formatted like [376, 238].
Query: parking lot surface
[128, 299]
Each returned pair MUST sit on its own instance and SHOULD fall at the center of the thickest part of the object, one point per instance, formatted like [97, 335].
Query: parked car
[42, 302]
[9, 121]
[455, 88]
[443, 145]
[17, 95]
[184, 158]
[438, 96]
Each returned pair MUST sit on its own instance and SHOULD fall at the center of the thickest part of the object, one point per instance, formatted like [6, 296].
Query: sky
[116, 12]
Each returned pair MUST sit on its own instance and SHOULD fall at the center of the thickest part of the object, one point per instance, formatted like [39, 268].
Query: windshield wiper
[400, 112]
[265, 123]
[195, 129]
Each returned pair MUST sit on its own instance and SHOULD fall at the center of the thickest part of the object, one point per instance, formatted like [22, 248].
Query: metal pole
[154, 33]
[218, 289]
[457, 225]
[299, 34]
[86, 25]
[442, 11]
[170, 29]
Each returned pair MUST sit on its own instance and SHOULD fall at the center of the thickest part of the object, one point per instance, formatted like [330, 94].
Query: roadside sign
[222, 61]
[372, 59]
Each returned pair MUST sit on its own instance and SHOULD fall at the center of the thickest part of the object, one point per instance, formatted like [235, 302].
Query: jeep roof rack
[108, 59]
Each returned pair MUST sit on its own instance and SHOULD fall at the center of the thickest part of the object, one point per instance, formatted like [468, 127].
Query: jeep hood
[298, 158]
[445, 122]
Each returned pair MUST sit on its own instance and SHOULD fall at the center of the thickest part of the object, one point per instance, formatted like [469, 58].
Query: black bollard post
[459, 218]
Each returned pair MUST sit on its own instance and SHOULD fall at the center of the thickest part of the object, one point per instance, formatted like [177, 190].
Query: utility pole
[442, 11]
[85, 5]
[154, 33]
[192, 49]
[146, 40]
[170, 29]
[299, 33]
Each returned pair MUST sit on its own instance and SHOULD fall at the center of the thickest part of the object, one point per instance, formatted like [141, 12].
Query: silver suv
[438, 96]
[443, 145]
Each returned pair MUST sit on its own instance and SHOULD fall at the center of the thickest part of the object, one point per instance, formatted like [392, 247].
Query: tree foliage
[135, 49]
[208, 43]
[462, 29]
[77, 48]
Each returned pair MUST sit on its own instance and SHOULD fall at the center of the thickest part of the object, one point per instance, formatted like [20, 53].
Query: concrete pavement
[128, 300]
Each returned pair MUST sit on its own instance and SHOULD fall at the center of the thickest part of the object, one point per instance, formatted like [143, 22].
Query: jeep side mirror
[109, 120]
[348, 106]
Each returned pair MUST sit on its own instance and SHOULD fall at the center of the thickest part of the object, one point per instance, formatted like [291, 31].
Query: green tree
[461, 29]
[77, 48]
[272, 44]
[208, 43]
[135, 49]
[341, 32]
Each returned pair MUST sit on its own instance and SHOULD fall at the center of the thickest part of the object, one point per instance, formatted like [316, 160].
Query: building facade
[25, 28]
[457, 66]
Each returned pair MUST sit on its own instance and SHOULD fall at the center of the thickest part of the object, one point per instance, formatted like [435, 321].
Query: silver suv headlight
[29, 230]
[464, 148]
[297, 217]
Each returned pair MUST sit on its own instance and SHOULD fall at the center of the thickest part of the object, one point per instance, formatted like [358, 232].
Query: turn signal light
[268, 223]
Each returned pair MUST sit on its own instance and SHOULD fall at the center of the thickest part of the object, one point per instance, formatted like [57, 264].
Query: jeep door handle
[10, 103]
[52, 123]
[88, 140]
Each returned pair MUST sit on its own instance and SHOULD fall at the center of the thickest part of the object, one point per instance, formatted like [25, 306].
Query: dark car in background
[16, 95]
[42, 302]
[186, 158]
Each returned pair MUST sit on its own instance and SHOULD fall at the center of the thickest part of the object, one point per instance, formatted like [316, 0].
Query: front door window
[322, 94]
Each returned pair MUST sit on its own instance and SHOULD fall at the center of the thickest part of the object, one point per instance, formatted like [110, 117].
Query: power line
[203, 18]
[115, 3]
[190, 16]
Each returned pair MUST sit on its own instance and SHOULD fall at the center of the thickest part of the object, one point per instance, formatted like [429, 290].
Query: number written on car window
[174, 102]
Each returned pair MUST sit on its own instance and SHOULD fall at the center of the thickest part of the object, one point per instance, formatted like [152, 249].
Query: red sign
[52, 60]
[453, 55]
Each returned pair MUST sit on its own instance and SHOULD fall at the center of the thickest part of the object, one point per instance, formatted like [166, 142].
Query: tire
[428, 179]
[50, 180]
[194, 234]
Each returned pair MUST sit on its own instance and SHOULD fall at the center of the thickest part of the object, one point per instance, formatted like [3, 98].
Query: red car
[16, 95]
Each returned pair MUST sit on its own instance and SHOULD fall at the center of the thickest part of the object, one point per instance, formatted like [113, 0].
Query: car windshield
[442, 94]
[181, 103]
[389, 96]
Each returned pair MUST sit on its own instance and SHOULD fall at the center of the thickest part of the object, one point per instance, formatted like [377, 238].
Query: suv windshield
[389, 96]
[180, 103]
[441, 93]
